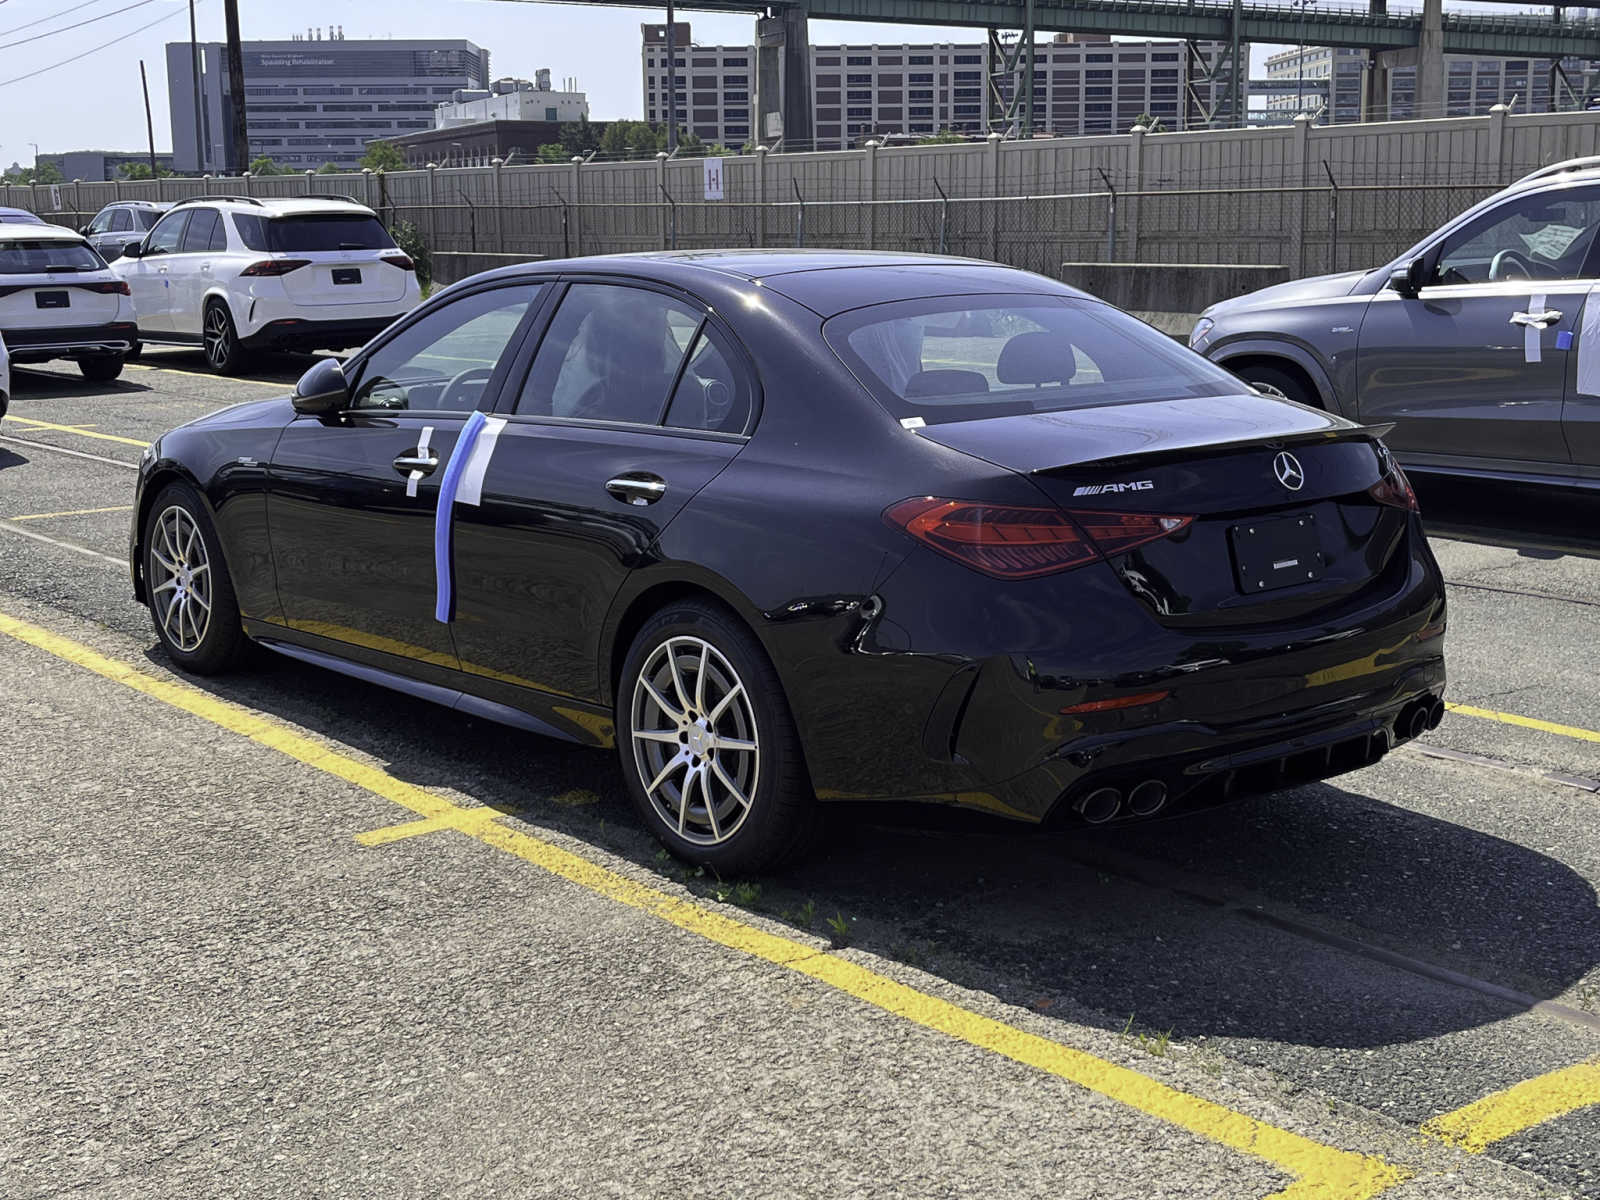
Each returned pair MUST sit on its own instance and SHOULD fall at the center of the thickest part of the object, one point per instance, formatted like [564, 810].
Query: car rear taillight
[1394, 489]
[114, 287]
[403, 261]
[274, 266]
[1013, 542]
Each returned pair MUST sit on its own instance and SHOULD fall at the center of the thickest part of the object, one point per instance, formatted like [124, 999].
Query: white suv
[58, 299]
[233, 274]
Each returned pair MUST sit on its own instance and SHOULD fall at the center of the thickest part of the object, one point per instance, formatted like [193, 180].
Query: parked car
[58, 299]
[234, 275]
[1481, 343]
[20, 216]
[119, 223]
[784, 526]
[5, 378]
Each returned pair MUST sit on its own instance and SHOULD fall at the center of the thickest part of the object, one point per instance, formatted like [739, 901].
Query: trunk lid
[344, 277]
[56, 301]
[1256, 549]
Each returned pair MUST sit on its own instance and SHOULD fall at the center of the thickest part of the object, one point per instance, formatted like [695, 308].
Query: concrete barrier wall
[450, 266]
[1170, 296]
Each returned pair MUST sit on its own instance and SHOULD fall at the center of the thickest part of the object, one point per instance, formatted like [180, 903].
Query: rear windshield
[37, 257]
[314, 231]
[961, 358]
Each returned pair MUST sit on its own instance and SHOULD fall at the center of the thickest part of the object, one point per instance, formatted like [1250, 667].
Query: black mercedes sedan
[795, 527]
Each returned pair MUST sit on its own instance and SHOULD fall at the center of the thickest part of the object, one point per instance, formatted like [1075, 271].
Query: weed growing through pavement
[1154, 1044]
[839, 924]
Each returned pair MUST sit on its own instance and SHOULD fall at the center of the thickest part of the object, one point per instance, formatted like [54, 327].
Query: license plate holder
[1276, 552]
[52, 300]
[347, 274]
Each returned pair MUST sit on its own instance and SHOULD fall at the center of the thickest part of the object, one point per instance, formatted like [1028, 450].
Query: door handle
[1540, 320]
[408, 463]
[640, 488]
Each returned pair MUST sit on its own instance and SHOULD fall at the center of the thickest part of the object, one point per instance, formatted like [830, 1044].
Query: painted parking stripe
[71, 512]
[1321, 1172]
[210, 375]
[99, 458]
[1505, 718]
[1533, 1102]
[77, 429]
[59, 543]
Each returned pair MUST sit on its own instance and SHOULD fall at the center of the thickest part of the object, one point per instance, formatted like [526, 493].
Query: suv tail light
[403, 261]
[274, 266]
[1394, 489]
[1013, 542]
[110, 287]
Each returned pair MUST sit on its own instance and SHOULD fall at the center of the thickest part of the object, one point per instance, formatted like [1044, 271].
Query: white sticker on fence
[55, 197]
[713, 169]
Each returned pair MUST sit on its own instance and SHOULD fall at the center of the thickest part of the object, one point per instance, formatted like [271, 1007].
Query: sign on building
[713, 169]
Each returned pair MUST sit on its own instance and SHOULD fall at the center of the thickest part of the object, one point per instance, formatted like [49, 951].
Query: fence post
[1299, 140]
[499, 207]
[366, 186]
[994, 192]
[1497, 141]
[1130, 217]
[577, 199]
[872, 147]
[761, 195]
[77, 203]
[310, 175]
[433, 207]
[246, 178]
[661, 190]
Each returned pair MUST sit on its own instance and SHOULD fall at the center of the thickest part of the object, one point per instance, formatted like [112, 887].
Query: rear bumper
[294, 333]
[69, 341]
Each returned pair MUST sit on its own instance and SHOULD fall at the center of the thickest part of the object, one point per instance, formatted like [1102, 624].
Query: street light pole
[672, 85]
[194, 67]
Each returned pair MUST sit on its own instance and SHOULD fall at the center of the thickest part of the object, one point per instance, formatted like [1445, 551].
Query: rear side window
[711, 393]
[121, 221]
[312, 232]
[961, 358]
[197, 238]
[26, 257]
[144, 218]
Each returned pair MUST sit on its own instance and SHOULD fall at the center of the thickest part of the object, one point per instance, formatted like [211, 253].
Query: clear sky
[94, 103]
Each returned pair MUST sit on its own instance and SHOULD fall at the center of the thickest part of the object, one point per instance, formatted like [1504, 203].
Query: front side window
[1543, 236]
[961, 358]
[102, 222]
[312, 232]
[444, 361]
[168, 233]
[37, 256]
[611, 354]
[197, 238]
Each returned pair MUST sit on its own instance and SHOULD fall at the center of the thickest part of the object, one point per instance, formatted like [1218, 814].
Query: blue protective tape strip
[444, 522]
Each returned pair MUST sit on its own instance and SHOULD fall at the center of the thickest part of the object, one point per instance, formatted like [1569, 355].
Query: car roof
[38, 233]
[286, 207]
[20, 216]
[159, 204]
[826, 281]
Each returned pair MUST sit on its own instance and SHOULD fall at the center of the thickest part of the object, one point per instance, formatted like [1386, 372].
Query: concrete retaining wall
[1170, 296]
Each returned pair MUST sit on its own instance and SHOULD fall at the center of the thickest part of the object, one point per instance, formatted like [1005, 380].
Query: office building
[513, 100]
[315, 98]
[917, 90]
[102, 165]
[1303, 76]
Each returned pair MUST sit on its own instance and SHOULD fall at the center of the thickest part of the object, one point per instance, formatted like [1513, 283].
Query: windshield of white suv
[38, 257]
[312, 232]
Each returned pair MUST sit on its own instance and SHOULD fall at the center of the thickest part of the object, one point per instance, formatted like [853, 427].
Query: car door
[633, 400]
[118, 232]
[191, 275]
[149, 276]
[352, 528]
[1580, 415]
[1475, 365]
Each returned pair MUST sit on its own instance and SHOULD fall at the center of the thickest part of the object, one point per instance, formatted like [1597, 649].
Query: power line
[77, 25]
[93, 50]
[42, 20]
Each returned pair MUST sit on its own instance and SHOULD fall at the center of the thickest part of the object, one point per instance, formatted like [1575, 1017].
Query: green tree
[46, 172]
[1151, 124]
[553, 152]
[141, 170]
[383, 156]
[632, 139]
[580, 136]
[940, 138]
[263, 165]
[329, 168]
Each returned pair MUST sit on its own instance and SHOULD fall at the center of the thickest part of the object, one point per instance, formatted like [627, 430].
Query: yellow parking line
[1496, 1117]
[1321, 1172]
[73, 512]
[208, 375]
[1505, 718]
[77, 429]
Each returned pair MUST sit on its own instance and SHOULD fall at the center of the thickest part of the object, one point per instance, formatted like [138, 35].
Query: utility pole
[194, 66]
[672, 86]
[241, 134]
[149, 125]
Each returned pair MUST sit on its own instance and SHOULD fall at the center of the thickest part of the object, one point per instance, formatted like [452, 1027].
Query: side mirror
[1408, 279]
[133, 249]
[322, 390]
[83, 230]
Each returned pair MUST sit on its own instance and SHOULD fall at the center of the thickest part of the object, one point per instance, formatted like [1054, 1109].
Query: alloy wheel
[695, 741]
[218, 337]
[180, 588]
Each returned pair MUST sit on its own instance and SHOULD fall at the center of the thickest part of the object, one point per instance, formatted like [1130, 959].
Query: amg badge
[1096, 489]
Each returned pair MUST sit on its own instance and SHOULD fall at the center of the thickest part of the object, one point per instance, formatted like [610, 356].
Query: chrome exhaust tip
[1100, 805]
[1149, 798]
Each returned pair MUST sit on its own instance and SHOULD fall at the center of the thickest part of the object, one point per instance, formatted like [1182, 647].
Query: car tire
[220, 340]
[101, 368]
[749, 752]
[191, 596]
[1278, 382]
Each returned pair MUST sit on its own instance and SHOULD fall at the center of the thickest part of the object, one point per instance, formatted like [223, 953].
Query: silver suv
[121, 222]
[1478, 343]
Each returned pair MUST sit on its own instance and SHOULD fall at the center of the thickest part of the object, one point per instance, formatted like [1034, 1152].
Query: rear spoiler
[1185, 447]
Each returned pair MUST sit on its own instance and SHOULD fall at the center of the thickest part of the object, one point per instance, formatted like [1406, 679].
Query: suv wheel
[224, 354]
[1278, 382]
[191, 597]
[101, 368]
[708, 746]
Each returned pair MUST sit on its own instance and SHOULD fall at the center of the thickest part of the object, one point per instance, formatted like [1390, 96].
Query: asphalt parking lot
[286, 934]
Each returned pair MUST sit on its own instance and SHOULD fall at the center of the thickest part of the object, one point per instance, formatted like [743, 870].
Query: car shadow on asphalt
[57, 385]
[281, 368]
[1057, 922]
